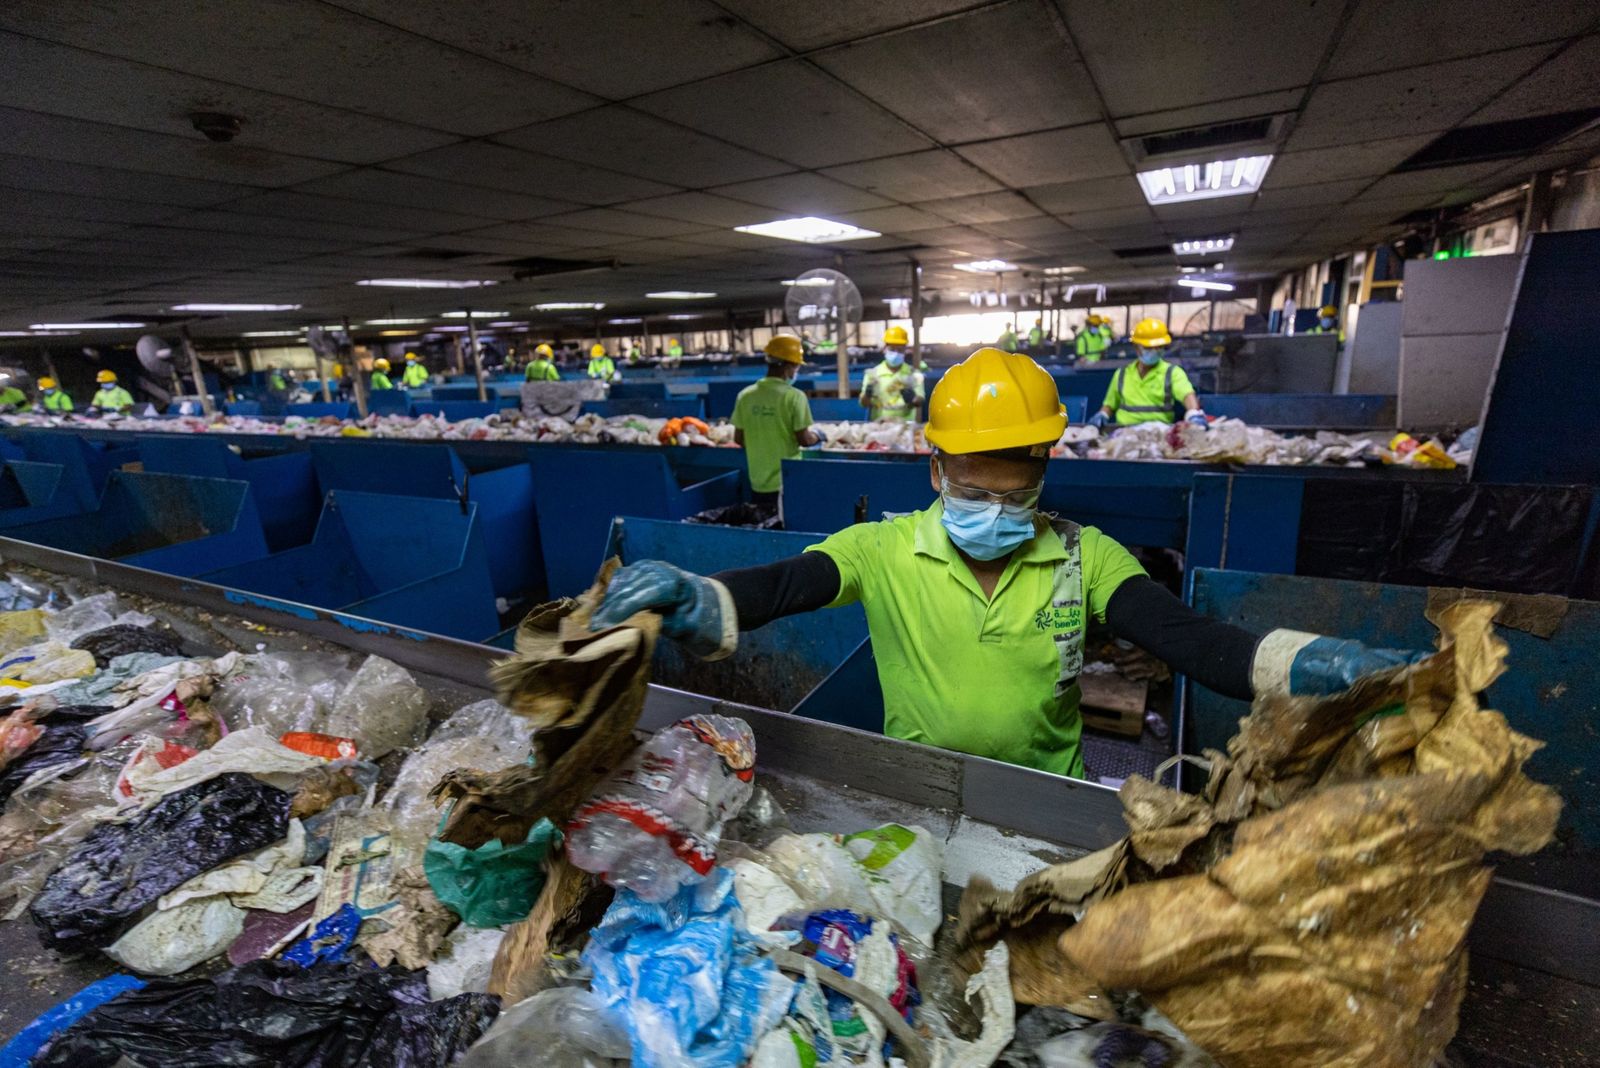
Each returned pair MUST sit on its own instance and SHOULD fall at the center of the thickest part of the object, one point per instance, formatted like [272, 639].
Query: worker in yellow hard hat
[892, 389]
[380, 374]
[1327, 322]
[602, 367]
[978, 604]
[1036, 335]
[542, 368]
[1093, 340]
[674, 354]
[772, 419]
[415, 374]
[110, 397]
[1148, 394]
[52, 398]
[1008, 338]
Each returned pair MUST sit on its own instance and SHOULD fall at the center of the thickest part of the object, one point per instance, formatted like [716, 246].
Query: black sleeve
[1215, 654]
[801, 583]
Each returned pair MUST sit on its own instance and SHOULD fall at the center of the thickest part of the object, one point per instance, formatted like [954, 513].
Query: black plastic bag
[273, 1014]
[110, 642]
[744, 514]
[114, 875]
[61, 743]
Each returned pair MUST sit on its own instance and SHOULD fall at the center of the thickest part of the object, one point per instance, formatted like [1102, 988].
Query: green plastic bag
[494, 884]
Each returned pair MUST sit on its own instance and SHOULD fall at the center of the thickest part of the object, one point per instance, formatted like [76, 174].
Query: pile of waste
[1232, 441]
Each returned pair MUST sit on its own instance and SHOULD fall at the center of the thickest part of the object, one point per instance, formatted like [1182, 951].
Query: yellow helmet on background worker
[596, 351]
[412, 357]
[381, 364]
[544, 350]
[896, 335]
[1328, 311]
[1151, 334]
[47, 383]
[994, 400]
[1095, 320]
[785, 348]
[104, 377]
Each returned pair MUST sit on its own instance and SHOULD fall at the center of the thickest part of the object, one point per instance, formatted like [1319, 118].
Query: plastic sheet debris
[282, 692]
[121, 869]
[151, 701]
[359, 867]
[270, 1014]
[117, 640]
[686, 978]
[83, 616]
[744, 514]
[890, 871]
[60, 741]
[20, 628]
[654, 825]
[494, 884]
[330, 940]
[251, 751]
[46, 662]
[381, 707]
[31, 1039]
[465, 962]
[1233, 441]
[266, 934]
[17, 732]
[564, 1027]
[412, 932]
[174, 940]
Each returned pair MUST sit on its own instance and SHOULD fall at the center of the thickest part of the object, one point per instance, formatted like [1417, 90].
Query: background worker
[892, 389]
[12, 399]
[978, 605]
[276, 381]
[110, 397]
[1036, 336]
[1093, 340]
[1147, 394]
[772, 419]
[1327, 322]
[52, 398]
[1008, 338]
[415, 375]
[601, 366]
[542, 368]
[380, 374]
[674, 353]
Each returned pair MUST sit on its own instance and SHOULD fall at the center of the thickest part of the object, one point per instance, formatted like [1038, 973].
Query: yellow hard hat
[672, 341]
[544, 350]
[105, 376]
[785, 347]
[1151, 334]
[994, 400]
[412, 356]
[47, 383]
[381, 364]
[1328, 311]
[896, 335]
[596, 351]
[1093, 320]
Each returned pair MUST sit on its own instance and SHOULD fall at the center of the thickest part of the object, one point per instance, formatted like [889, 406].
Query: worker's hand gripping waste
[695, 610]
[1301, 664]
[1197, 418]
[1099, 420]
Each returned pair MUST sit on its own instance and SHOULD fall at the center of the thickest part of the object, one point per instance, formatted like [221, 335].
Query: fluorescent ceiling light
[807, 282]
[1202, 181]
[397, 333]
[475, 315]
[427, 283]
[504, 324]
[37, 333]
[270, 333]
[1062, 270]
[395, 322]
[1201, 283]
[85, 326]
[569, 305]
[450, 329]
[683, 315]
[810, 229]
[1203, 246]
[234, 307]
[679, 294]
[619, 322]
[986, 266]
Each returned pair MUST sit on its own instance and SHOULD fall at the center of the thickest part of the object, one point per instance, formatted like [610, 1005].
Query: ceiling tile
[1112, 218]
[1091, 195]
[787, 110]
[1403, 102]
[22, 172]
[1328, 193]
[981, 208]
[621, 138]
[1318, 165]
[288, 204]
[87, 209]
[1230, 110]
[1383, 36]
[822, 22]
[265, 225]
[416, 191]
[1237, 49]
[1026, 230]
[941, 77]
[551, 236]
[706, 208]
[803, 194]
[1427, 185]
[1565, 82]
[305, 50]
[512, 170]
[892, 220]
[612, 221]
[1045, 158]
[916, 176]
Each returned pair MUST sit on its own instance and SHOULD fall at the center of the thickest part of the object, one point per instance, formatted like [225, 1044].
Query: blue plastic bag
[31, 1039]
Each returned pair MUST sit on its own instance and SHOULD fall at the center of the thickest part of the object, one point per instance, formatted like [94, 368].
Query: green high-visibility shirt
[542, 370]
[113, 398]
[277, 382]
[1090, 344]
[57, 401]
[13, 397]
[1035, 337]
[414, 375]
[770, 413]
[1008, 341]
[881, 391]
[602, 367]
[1135, 398]
[381, 381]
[674, 350]
[972, 674]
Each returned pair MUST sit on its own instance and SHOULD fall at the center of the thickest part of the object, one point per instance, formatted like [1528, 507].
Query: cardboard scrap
[414, 930]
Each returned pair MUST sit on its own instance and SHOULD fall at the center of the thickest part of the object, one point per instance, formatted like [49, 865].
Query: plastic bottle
[655, 823]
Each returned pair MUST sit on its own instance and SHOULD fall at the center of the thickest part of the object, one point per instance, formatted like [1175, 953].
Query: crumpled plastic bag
[381, 707]
[250, 751]
[282, 692]
[63, 732]
[45, 662]
[494, 884]
[152, 700]
[563, 1027]
[18, 629]
[117, 640]
[465, 963]
[890, 871]
[32, 1038]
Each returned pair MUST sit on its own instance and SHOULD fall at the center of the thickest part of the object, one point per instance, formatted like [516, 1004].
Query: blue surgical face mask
[986, 530]
[894, 358]
[1326, 324]
[1150, 357]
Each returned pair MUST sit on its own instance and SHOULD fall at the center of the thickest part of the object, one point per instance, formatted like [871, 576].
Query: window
[1230, 314]
[1189, 318]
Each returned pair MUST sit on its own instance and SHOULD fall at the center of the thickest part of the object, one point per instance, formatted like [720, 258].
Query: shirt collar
[930, 539]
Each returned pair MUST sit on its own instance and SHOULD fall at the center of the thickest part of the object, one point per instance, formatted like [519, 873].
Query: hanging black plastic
[123, 638]
[273, 1014]
[114, 875]
[744, 514]
[61, 743]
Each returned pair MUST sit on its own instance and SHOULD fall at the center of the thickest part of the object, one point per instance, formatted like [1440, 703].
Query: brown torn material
[570, 905]
[1539, 614]
[319, 788]
[416, 926]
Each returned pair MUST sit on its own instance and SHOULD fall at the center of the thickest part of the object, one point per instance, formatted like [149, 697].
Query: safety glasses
[1022, 498]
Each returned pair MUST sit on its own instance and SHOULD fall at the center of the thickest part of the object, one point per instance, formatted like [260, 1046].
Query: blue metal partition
[837, 409]
[174, 523]
[1305, 411]
[30, 492]
[1549, 691]
[319, 410]
[638, 391]
[720, 397]
[284, 485]
[577, 492]
[850, 695]
[388, 401]
[775, 666]
[86, 464]
[392, 467]
[409, 561]
[670, 408]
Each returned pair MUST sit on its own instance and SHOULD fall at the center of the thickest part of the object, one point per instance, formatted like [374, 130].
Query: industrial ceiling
[432, 138]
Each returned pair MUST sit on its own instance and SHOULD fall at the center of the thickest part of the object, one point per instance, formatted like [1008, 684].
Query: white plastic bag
[251, 751]
[564, 1027]
[465, 963]
[891, 871]
[483, 735]
[381, 707]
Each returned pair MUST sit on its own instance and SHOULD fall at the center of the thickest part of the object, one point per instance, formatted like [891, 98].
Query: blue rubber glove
[1312, 665]
[1099, 420]
[1197, 418]
[694, 610]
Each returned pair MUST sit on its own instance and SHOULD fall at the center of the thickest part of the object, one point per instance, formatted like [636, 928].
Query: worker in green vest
[1008, 338]
[275, 380]
[978, 605]
[12, 399]
[110, 397]
[542, 367]
[674, 353]
[601, 366]
[380, 374]
[1036, 335]
[893, 389]
[1093, 340]
[52, 398]
[1327, 322]
[1147, 395]
[415, 374]
[772, 419]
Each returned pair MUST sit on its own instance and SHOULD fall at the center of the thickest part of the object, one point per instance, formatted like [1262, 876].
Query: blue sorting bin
[284, 485]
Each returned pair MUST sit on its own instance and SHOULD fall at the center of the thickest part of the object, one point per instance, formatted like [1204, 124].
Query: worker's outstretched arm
[1233, 661]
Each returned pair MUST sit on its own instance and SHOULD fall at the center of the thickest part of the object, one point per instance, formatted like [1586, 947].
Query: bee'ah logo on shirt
[1059, 618]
